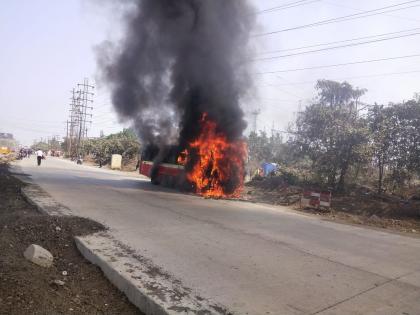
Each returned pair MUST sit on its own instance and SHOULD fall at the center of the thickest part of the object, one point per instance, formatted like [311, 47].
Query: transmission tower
[255, 114]
[79, 113]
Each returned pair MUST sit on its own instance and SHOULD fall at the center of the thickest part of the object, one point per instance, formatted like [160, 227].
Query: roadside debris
[59, 282]
[38, 255]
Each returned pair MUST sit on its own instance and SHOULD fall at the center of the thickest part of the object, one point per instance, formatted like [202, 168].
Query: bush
[124, 143]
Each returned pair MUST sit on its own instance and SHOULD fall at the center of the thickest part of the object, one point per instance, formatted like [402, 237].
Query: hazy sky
[48, 47]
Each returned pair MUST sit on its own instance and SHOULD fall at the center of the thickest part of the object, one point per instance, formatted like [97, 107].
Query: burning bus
[178, 75]
[210, 164]
[160, 165]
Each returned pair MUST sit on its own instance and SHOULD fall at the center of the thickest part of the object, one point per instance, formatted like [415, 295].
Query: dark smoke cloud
[178, 59]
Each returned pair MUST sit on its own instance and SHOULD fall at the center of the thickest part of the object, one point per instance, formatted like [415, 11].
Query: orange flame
[215, 166]
[182, 158]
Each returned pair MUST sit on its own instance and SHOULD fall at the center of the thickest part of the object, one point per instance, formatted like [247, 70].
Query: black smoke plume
[177, 60]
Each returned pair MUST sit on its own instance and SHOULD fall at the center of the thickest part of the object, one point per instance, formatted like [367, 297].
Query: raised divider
[146, 286]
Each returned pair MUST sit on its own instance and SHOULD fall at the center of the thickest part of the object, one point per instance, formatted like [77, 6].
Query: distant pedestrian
[39, 156]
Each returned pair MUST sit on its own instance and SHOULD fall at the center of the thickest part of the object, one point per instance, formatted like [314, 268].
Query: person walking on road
[39, 156]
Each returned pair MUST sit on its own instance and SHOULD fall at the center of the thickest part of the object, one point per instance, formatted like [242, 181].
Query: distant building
[7, 141]
[7, 136]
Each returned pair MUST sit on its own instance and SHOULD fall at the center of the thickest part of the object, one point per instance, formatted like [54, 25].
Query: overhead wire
[352, 77]
[340, 64]
[287, 6]
[339, 41]
[360, 10]
[334, 47]
[363, 14]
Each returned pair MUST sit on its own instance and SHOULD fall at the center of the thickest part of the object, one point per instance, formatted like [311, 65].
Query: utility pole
[255, 114]
[67, 135]
[84, 97]
[73, 123]
[77, 126]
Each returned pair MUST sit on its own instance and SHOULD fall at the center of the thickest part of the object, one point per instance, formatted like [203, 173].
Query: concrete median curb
[38, 197]
[45, 204]
[145, 285]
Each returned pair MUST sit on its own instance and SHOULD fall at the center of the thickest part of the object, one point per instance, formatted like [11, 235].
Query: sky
[49, 46]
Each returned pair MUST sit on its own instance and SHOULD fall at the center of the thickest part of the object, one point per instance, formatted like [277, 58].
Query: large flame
[214, 165]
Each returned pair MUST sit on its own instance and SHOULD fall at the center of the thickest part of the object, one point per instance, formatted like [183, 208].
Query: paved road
[254, 259]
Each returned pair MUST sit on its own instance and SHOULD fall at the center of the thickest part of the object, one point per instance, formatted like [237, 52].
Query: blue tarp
[268, 168]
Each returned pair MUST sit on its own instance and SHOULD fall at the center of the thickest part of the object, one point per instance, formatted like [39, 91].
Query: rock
[58, 229]
[38, 255]
[64, 273]
[59, 282]
[413, 230]
[374, 217]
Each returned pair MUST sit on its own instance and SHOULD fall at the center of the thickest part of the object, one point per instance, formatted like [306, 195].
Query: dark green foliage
[45, 146]
[263, 148]
[124, 143]
[331, 133]
[395, 142]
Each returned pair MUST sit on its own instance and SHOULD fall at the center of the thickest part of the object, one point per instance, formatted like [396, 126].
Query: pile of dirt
[359, 205]
[362, 205]
[26, 288]
[272, 190]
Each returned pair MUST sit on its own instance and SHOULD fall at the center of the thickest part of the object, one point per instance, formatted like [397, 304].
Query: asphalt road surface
[252, 258]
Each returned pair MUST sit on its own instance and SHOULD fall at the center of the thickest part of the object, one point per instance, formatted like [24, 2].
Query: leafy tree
[331, 133]
[266, 149]
[124, 143]
[395, 139]
[405, 145]
[40, 146]
[379, 119]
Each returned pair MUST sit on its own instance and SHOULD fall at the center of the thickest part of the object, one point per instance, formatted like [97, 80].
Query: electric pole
[84, 97]
[77, 126]
[255, 114]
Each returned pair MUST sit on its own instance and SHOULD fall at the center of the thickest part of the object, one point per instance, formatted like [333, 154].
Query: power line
[349, 17]
[285, 91]
[287, 6]
[340, 64]
[35, 130]
[275, 99]
[335, 47]
[114, 120]
[103, 106]
[353, 77]
[340, 41]
[355, 9]
[33, 122]
[108, 114]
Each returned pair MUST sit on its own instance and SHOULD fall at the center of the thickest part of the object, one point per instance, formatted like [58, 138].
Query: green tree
[331, 133]
[124, 143]
[40, 146]
[379, 119]
[405, 142]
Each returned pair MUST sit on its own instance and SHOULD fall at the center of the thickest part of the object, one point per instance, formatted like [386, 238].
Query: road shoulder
[148, 287]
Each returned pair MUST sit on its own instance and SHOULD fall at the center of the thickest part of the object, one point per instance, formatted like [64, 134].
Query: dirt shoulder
[26, 288]
[360, 205]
